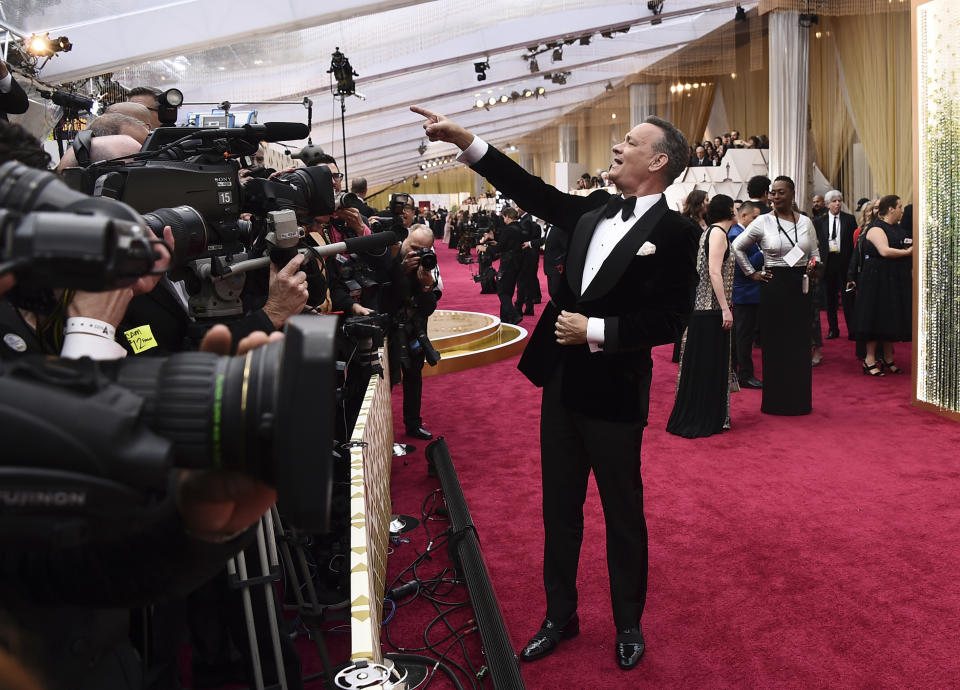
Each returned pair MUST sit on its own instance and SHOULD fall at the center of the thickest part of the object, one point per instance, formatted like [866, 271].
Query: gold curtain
[830, 124]
[690, 110]
[874, 53]
[746, 96]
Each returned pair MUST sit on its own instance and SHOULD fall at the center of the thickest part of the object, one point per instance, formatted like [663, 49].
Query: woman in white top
[790, 254]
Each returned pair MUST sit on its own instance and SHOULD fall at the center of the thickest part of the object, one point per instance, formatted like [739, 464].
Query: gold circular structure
[467, 339]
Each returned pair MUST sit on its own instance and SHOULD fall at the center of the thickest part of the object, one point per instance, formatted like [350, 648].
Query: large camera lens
[428, 259]
[268, 414]
[189, 231]
[306, 191]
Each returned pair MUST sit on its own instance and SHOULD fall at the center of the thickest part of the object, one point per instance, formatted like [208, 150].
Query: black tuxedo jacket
[848, 224]
[13, 101]
[510, 245]
[643, 300]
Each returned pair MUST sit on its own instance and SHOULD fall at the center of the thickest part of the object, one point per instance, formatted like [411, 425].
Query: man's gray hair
[831, 195]
[672, 143]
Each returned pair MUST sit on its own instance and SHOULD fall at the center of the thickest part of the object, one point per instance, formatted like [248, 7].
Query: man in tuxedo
[629, 270]
[13, 100]
[528, 283]
[358, 186]
[700, 159]
[511, 260]
[835, 230]
[758, 188]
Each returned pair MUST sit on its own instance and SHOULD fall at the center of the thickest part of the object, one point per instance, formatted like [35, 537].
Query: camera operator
[410, 302]
[511, 259]
[149, 97]
[66, 322]
[487, 253]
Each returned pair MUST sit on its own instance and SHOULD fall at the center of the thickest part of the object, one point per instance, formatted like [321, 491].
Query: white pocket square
[647, 249]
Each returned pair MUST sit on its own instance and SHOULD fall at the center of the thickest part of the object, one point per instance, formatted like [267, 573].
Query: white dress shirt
[608, 233]
[834, 243]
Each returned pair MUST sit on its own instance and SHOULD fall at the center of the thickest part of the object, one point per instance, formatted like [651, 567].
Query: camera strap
[81, 146]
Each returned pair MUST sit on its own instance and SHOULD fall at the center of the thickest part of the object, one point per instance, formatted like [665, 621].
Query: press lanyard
[796, 237]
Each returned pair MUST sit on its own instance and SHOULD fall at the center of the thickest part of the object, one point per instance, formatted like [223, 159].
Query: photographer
[487, 253]
[410, 302]
[511, 260]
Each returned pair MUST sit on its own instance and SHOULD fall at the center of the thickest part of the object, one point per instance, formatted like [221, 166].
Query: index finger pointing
[429, 114]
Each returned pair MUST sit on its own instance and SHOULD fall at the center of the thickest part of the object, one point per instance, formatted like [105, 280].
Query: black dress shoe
[752, 382]
[528, 311]
[420, 433]
[548, 637]
[630, 647]
[833, 334]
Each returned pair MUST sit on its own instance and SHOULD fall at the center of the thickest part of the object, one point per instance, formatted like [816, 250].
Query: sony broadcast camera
[194, 174]
[91, 445]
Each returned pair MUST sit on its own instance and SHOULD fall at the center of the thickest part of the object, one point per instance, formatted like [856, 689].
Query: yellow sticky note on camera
[140, 339]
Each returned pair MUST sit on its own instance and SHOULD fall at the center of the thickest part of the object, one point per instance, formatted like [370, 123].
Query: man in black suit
[511, 260]
[835, 228]
[700, 159]
[528, 283]
[13, 100]
[629, 270]
[358, 186]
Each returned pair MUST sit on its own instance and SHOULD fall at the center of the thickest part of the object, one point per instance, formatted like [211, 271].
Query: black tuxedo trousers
[571, 446]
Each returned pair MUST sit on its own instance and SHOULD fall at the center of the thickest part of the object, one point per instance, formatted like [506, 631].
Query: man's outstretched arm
[530, 192]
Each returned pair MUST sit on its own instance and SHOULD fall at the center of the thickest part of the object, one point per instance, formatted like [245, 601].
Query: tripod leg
[268, 594]
[237, 567]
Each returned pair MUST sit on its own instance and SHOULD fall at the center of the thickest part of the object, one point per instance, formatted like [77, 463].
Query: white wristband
[85, 324]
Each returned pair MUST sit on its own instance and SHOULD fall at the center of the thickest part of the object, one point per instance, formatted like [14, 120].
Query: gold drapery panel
[829, 121]
[873, 53]
[690, 110]
[458, 178]
[835, 8]
[746, 96]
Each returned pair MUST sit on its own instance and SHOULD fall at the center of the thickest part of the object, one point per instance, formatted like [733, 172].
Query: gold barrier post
[371, 454]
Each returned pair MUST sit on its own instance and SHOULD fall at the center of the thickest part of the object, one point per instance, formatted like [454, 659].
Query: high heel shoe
[892, 367]
[871, 369]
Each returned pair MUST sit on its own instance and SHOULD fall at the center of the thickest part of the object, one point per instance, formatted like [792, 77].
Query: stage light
[492, 100]
[613, 116]
[609, 86]
[541, 91]
[481, 69]
[504, 98]
[673, 88]
[514, 95]
[527, 93]
[479, 103]
[557, 54]
[585, 40]
[422, 148]
[534, 66]
[741, 15]
[41, 45]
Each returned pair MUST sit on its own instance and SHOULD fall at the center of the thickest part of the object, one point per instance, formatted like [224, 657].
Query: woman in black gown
[790, 254]
[884, 289]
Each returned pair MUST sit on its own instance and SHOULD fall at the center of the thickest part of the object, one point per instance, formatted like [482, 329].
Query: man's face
[701, 152]
[337, 178]
[746, 217]
[726, 140]
[634, 160]
[836, 203]
[151, 104]
[407, 215]
[817, 203]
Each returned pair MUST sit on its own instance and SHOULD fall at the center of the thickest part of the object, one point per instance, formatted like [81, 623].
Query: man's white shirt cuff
[477, 150]
[6, 83]
[595, 331]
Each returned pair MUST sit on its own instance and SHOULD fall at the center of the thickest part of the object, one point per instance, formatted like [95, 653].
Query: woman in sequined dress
[702, 403]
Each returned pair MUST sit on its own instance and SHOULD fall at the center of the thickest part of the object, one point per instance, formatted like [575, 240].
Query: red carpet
[788, 552]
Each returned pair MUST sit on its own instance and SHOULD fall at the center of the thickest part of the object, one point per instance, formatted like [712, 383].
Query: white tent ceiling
[406, 51]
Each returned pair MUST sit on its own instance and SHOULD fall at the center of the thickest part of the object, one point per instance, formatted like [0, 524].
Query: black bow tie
[618, 203]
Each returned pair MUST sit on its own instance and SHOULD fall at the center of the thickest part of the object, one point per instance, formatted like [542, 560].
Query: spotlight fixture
[541, 91]
[585, 40]
[492, 100]
[557, 54]
[480, 103]
[41, 45]
[609, 86]
[514, 95]
[527, 93]
[422, 148]
[741, 15]
[655, 6]
[558, 77]
[808, 20]
[481, 69]
[534, 67]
